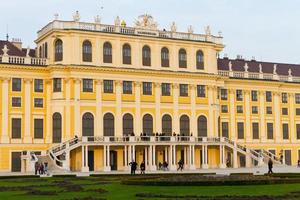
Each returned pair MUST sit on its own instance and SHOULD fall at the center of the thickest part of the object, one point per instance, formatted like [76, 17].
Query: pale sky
[269, 30]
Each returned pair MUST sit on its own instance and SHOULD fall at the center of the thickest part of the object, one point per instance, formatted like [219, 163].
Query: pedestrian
[298, 163]
[180, 165]
[36, 168]
[133, 165]
[143, 167]
[46, 167]
[270, 166]
[76, 139]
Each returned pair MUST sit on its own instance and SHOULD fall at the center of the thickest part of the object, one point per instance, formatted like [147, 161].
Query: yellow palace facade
[94, 97]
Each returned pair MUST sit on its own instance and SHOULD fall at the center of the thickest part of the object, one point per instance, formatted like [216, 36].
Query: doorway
[16, 161]
[113, 160]
[91, 160]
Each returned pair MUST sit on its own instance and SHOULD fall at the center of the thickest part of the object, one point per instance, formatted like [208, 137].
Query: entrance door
[113, 160]
[288, 157]
[91, 160]
[16, 161]
[243, 161]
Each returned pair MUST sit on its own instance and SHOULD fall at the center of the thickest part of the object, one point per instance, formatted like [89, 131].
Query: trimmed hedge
[21, 176]
[212, 182]
[64, 175]
[241, 174]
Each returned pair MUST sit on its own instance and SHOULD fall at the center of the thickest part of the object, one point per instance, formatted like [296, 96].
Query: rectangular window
[285, 111]
[16, 84]
[285, 131]
[16, 128]
[284, 97]
[224, 94]
[270, 131]
[38, 85]
[108, 86]
[127, 87]
[165, 89]
[184, 90]
[240, 127]
[38, 102]
[298, 131]
[254, 95]
[239, 109]
[224, 109]
[239, 95]
[297, 98]
[57, 85]
[269, 110]
[225, 129]
[255, 130]
[297, 111]
[268, 96]
[87, 85]
[147, 88]
[16, 101]
[38, 128]
[254, 110]
[200, 90]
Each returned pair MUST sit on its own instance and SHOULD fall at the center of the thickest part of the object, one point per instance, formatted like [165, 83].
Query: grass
[110, 187]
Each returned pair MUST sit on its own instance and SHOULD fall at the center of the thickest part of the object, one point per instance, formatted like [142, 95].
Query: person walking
[133, 166]
[143, 167]
[270, 166]
[180, 165]
[36, 168]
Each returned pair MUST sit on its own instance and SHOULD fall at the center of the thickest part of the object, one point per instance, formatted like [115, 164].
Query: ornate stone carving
[157, 85]
[5, 50]
[260, 68]
[76, 16]
[77, 80]
[99, 81]
[246, 67]
[146, 22]
[138, 83]
[173, 27]
[97, 19]
[27, 80]
[275, 69]
[190, 29]
[290, 72]
[175, 85]
[230, 66]
[117, 21]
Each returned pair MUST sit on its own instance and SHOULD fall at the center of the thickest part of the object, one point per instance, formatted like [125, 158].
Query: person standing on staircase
[36, 168]
[270, 166]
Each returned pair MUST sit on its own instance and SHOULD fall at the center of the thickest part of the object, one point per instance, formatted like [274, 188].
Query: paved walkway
[256, 171]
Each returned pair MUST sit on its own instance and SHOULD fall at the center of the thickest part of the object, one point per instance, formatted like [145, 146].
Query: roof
[253, 66]
[15, 51]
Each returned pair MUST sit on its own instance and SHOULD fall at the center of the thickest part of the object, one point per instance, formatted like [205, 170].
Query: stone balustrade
[23, 60]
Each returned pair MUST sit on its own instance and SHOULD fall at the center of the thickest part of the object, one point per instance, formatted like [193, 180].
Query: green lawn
[110, 187]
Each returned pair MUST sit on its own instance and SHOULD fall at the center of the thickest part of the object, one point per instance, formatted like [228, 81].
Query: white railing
[23, 60]
[255, 75]
[54, 25]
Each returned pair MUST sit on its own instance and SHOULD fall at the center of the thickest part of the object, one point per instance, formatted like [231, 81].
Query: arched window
[87, 51]
[165, 57]
[182, 58]
[108, 125]
[56, 128]
[107, 52]
[88, 124]
[202, 126]
[46, 50]
[127, 124]
[184, 125]
[167, 125]
[199, 60]
[58, 56]
[148, 124]
[126, 54]
[146, 56]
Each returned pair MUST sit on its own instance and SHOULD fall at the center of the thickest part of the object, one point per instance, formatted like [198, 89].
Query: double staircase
[57, 161]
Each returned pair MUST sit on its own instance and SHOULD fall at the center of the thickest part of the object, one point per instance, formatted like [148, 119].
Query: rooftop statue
[76, 16]
[173, 27]
[97, 19]
[146, 22]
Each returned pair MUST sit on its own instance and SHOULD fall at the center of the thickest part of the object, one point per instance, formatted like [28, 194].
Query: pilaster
[158, 123]
[138, 122]
[119, 131]
[77, 120]
[232, 114]
[27, 120]
[176, 108]
[4, 136]
[193, 110]
[99, 117]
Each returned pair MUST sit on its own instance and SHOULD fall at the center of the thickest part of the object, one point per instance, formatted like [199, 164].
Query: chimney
[17, 43]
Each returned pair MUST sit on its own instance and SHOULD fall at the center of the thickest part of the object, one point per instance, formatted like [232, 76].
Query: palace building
[94, 97]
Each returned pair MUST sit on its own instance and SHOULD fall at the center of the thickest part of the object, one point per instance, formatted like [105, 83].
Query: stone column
[104, 158]
[158, 125]
[193, 110]
[150, 157]
[235, 158]
[67, 136]
[248, 159]
[4, 136]
[292, 132]
[99, 117]
[119, 119]
[247, 112]
[84, 165]
[176, 108]
[262, 116]
[173, 157]
[77, 121]
[129, 154]
[27, 120]
[204, 157]
[232, 134]
[107, 152]
[193, 167]
[277, 113]
[137, 123]
[48, 83]
[222, 157]
[125, 157]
